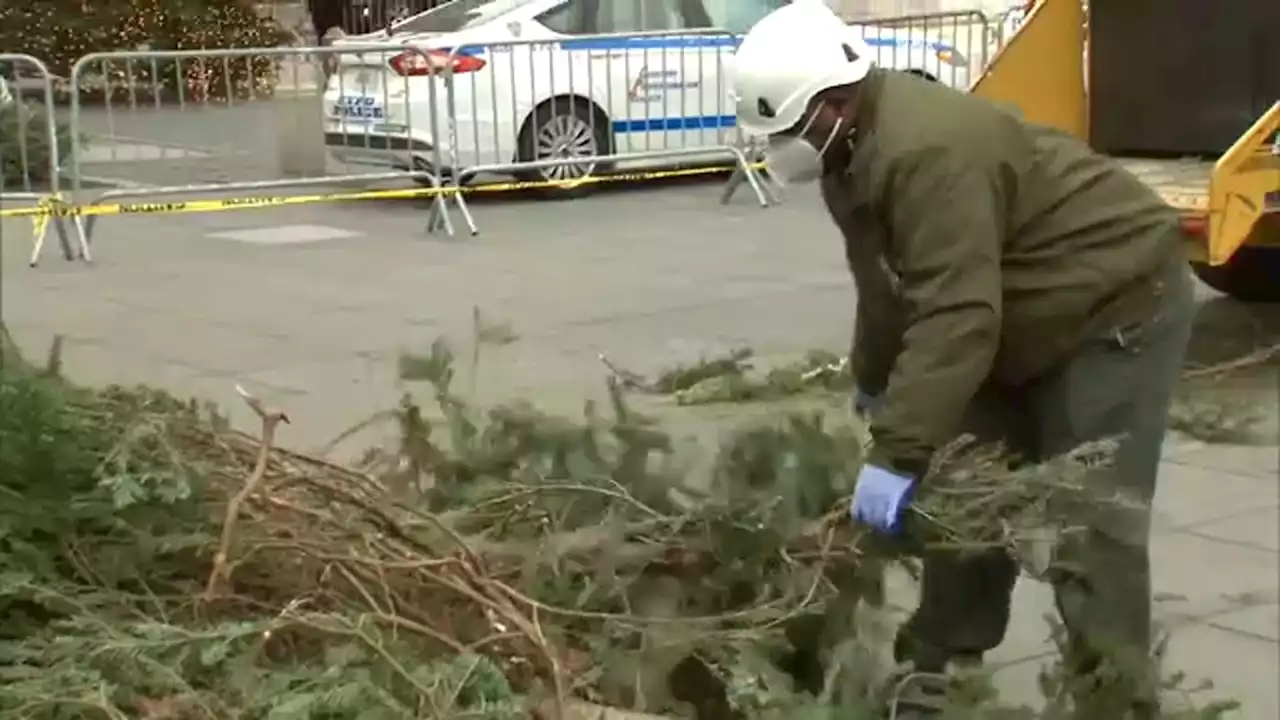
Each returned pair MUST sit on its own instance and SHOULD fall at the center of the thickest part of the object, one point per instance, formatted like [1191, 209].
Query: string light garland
[60, 32]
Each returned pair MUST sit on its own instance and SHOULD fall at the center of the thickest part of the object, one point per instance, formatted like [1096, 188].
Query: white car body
[522, 90]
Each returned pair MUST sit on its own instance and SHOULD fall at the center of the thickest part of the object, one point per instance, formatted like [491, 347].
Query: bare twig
[1258, 357]
[627, 378]
[270, 421]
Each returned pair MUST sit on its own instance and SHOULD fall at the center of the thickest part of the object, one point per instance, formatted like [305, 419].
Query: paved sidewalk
[308, 306]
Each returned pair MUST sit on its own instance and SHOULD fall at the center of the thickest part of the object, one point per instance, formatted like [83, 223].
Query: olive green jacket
[985, 249]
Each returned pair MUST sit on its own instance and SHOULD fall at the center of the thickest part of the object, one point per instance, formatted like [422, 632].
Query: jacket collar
[862, 137]
[868, 102]
[858, 139]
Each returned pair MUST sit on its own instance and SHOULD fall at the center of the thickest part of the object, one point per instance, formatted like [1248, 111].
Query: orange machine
[1230, 205]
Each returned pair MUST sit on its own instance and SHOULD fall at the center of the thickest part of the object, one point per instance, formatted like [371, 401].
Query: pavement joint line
[1242, 544]
[1174, 622]
[1192, 524]
[120, 183]
[1243, 634]
[1179, 459]
[131, 140]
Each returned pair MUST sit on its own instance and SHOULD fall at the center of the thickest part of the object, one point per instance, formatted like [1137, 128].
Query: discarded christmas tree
[155, 563]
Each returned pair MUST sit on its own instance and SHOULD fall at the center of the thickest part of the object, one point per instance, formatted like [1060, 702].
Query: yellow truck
[1167, 86]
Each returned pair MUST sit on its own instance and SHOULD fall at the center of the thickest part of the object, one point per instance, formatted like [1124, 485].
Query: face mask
[794, 159]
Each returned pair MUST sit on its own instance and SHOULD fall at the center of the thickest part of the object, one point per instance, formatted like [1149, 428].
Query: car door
[642, 65]
[706, 117]
[651, 97]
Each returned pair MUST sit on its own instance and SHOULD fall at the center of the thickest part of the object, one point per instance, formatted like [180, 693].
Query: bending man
[1011, 283]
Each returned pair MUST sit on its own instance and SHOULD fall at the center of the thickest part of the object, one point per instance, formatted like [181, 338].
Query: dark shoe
[915, 695]
[914, 714]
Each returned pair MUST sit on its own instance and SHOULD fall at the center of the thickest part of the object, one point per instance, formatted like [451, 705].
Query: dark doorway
[363, 16]
[1180, 77]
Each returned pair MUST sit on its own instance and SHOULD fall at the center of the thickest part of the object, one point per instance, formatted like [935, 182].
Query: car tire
[1252, 275]
[568, 126]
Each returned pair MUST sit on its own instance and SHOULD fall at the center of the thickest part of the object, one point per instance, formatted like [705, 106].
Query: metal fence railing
[168, 125]
[29, 166]
[188, 131]
[563, 112]
[179, 123]
[32, 148]
[950, 47]
[1004, 25]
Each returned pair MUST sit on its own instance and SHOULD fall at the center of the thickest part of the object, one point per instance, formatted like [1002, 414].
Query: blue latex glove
[865, 405]
[880, 498]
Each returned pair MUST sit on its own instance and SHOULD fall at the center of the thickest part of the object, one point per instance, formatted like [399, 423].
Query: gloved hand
[865, 405]
[880, 498]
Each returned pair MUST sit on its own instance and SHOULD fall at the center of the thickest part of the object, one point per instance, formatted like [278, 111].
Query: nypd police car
[482, 84]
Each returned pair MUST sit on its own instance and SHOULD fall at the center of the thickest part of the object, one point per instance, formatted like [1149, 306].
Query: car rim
[566, 136]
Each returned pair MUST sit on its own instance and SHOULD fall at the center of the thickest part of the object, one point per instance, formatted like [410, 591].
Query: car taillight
[413, 63]
[1194, 225]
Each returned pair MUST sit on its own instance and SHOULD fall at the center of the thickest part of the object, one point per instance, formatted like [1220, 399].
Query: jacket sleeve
[947, 213]
[877, 339]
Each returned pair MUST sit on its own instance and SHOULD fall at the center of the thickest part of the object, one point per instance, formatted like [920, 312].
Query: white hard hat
[790, 55]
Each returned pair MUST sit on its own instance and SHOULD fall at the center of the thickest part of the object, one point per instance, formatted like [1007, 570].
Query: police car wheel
[563, 128]
[1252, 275]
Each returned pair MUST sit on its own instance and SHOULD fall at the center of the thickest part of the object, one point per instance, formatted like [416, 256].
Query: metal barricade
[177, 123]
[588, 109]
[32, 146]
[1004, 25]
[950, 47]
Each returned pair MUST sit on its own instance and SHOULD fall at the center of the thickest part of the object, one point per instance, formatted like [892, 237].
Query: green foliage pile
[733, 377]
[111, 507]
[26, 147]
[495, 561]
[60, 32]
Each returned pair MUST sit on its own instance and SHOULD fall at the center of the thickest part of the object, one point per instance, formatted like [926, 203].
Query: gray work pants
[1119, 385]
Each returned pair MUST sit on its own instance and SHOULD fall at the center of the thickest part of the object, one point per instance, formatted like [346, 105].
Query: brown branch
[1253, 359]
[270, 421]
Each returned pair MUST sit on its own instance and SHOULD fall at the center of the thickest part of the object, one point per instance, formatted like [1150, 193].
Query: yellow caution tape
[46, 207]
[56, 207]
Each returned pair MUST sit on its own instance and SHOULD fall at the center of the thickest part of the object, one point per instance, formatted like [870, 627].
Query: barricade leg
[440, 212]
[745, 172]
[751, 160]
[438, 216]
[54, 212]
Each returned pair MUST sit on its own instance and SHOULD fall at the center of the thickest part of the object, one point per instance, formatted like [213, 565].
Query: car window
[576, 17]
[567, 18]
[737, 16]
[456, 15]
[621, 16]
